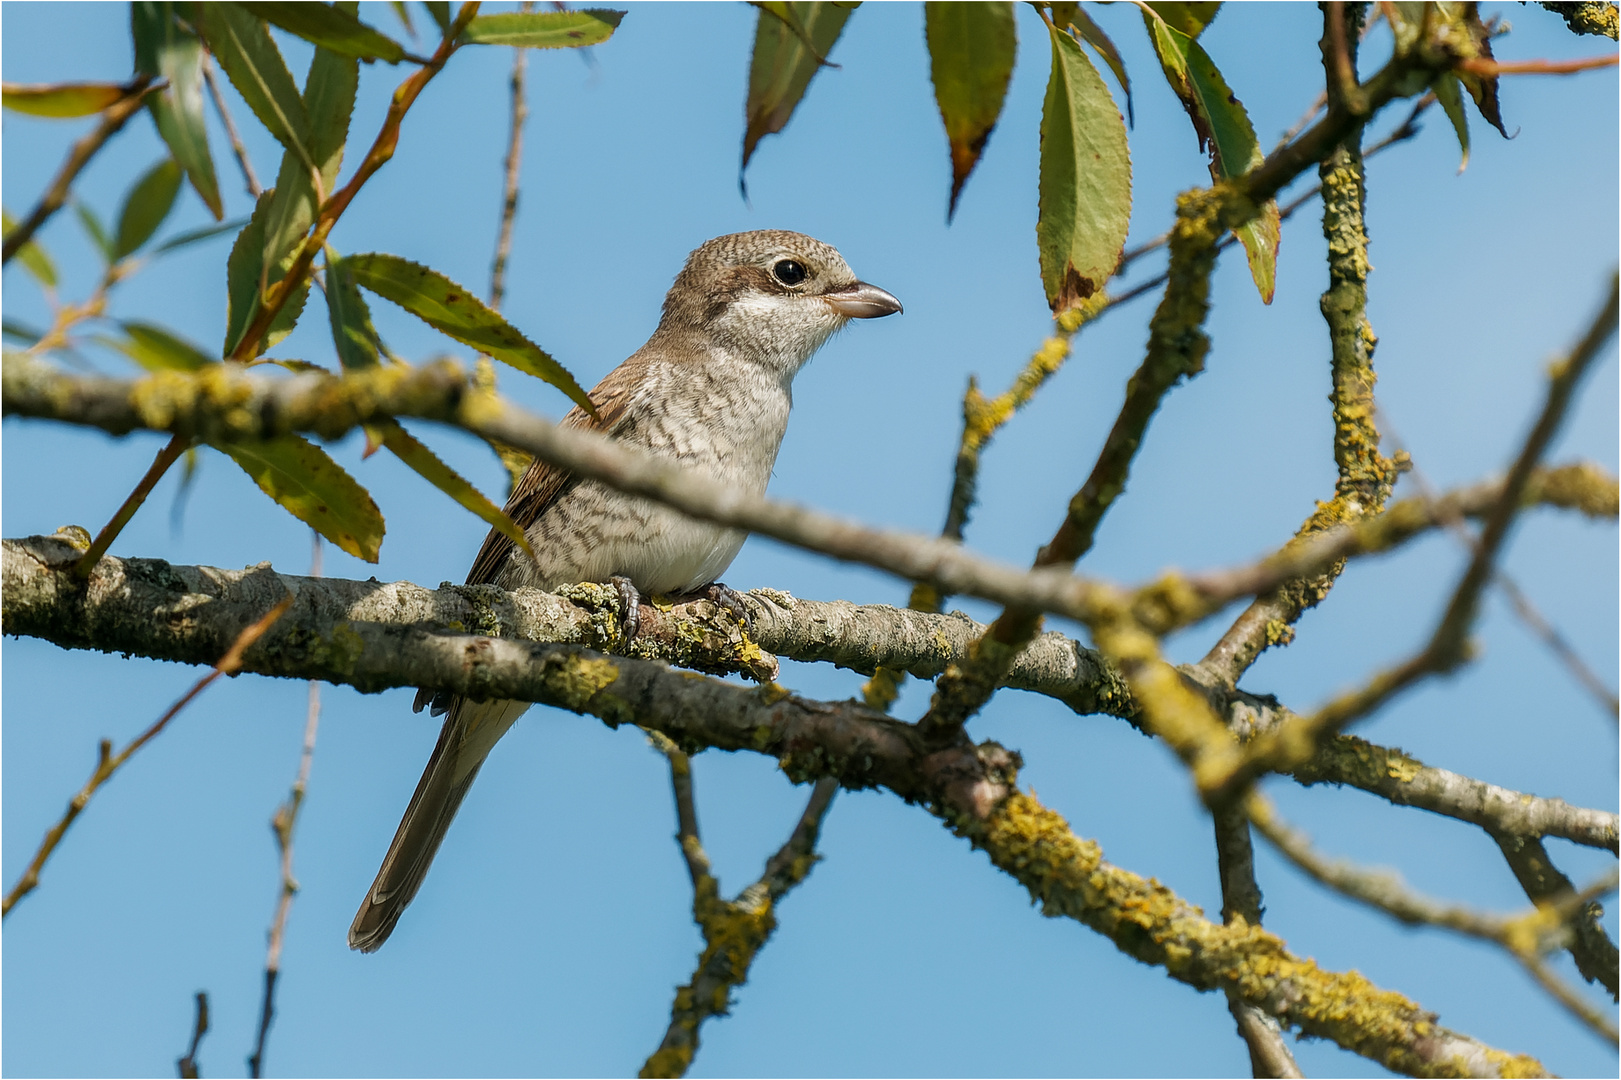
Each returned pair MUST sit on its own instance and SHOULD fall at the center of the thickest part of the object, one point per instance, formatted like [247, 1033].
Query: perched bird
[712, 389]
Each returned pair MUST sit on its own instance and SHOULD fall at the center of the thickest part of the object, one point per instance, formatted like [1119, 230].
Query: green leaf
[1085, 180]
[20, 332]
[453, 310]
[352, 330]
[439, 10]
[321, 24]
[193, 236]
[403, 13]
[60, 100]
[147, 204]
[164, 48]
[157, 349]
[297, 367]
[1093, 35]
[314, 489]
[782, 66]
[1190, 19]
[94, 229]
[244, 48]
[428, 466]
[972, 47]
[1222, 126]
[33, 257]
[243, 272]
[543, 29]
[1483, 88]
[1450, 95]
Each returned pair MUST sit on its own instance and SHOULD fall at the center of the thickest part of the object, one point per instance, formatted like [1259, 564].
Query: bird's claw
[630, 608]
[731, 601]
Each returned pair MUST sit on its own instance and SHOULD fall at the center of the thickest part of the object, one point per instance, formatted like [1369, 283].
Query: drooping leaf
[1223, 127]
[19, 332]
[60, 100]
[31, 255]
[427, 465]
[1191, 19]
[163, 47]
[352, 331]
[158, 349]
[403, 13]
[439, 11]
[297, 367]
[193, 236]
[147, 204]
[453, 310]
[543, 29]
[1093, 35]
[322, 24]
[254, 64]
[782, 66]
[1450, 95]
[313, 488]
[244, 270]
[972, 47]
[1483, 88]
[1085, 181]
[94, 229]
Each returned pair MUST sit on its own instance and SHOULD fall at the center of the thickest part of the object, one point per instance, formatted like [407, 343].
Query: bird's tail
[470, 732]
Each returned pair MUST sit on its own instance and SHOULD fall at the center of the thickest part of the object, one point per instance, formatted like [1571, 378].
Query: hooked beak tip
[863, 301]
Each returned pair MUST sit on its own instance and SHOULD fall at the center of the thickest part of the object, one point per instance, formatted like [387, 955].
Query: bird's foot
[630, 608]
[729, 600]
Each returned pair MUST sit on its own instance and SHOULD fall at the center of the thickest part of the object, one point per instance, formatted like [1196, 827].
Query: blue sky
[555, 924]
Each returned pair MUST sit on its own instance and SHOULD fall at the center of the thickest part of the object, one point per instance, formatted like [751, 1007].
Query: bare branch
[1590, 946]
[187, 1065]
[108, 763]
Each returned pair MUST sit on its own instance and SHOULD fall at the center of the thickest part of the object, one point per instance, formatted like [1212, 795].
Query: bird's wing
[542, 484]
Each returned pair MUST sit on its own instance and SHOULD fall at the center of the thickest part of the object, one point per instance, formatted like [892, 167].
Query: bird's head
[771, 295]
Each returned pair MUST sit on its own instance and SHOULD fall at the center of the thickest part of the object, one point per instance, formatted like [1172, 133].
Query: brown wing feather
[543, 484]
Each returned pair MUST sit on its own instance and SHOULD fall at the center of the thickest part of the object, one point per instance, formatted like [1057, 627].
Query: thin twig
[187, 1065]
[132, 502]
[109, 763]
[1487, 69]
[241, 152]
[282, 824]
[113, 117]
[1525, 937]
[1448, 645]
[514, 162]
[734, 930]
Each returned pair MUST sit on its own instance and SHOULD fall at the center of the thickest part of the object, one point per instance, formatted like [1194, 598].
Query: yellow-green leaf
[1191, 19]
[972, 47]
[31, 255]
[1223, 126]
[782, 66]
[60, 100]
[352, 331]
[1093, 35]
[427, 465]
[543, 29]
[439, 11]
[157, 349]
[94, 229]
[324, 25]
[1085, 181]
[313, 488]
[1450, 95]
[147, 204]
[163, 47]
[453, 310]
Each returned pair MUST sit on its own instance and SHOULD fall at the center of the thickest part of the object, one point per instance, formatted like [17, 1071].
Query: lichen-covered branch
[734, 930]
[1365, 475]
[1595, 17]
[1294, 743]
[1590, 946]
[189, 613]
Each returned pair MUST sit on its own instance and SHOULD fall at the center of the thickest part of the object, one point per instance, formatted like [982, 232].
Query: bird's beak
[862, 301]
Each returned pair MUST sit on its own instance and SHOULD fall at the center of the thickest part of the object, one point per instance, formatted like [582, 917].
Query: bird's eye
[789, 272]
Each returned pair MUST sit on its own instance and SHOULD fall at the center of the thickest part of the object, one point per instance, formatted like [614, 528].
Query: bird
[711, 389]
